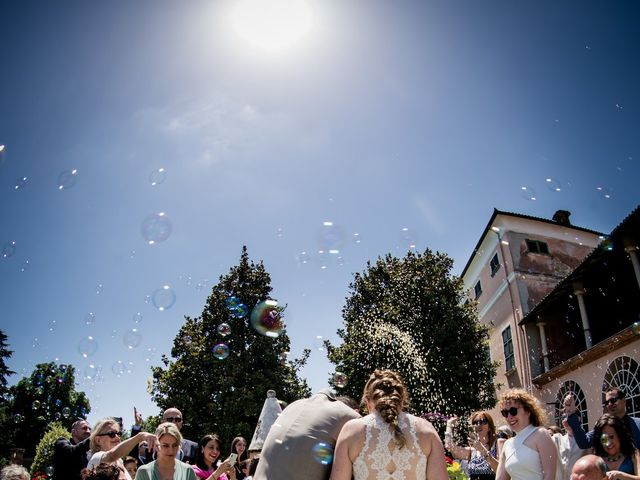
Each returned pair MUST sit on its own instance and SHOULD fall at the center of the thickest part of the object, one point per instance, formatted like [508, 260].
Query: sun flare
[272, 25]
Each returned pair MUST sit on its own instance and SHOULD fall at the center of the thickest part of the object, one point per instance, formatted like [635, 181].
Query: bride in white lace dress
[388, 444]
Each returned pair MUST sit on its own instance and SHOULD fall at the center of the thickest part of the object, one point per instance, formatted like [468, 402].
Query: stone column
[578, 291]
[632, 250]
[543, 343]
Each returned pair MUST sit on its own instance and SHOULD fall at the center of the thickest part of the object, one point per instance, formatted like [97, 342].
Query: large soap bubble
[266, 320]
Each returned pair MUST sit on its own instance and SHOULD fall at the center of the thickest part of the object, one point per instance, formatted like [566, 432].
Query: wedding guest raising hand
[482, 451]
[107, 446]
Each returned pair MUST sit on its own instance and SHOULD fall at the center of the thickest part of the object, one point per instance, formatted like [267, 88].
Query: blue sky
[383, 116]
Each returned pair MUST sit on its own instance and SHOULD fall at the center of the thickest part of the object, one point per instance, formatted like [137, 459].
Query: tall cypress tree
[409, 315]
[225, 395]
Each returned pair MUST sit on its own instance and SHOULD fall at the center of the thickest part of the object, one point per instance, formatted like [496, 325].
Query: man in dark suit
[188, 448]
[70, 456]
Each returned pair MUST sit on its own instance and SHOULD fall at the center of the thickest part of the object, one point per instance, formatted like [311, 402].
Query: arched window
[581, 403]
[624, 372]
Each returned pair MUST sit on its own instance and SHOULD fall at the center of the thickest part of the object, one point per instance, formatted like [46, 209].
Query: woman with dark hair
[239, 447]
[612, 441]
[482, 453]
[207, 460]
[388, 442]
[532, 454]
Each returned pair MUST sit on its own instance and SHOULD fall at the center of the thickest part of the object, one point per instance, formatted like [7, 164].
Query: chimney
[561, 217]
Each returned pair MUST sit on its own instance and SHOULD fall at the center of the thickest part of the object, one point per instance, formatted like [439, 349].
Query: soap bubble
[606, 441]
[232, 303]
[339, 379]
[89, 318]
[553, 184]
[118, 368]
[20, 183]
[25, 266]
[408, 238]
[318, 343]
[36, 404]
[67, 179]
[528, 193]
[635, 328]
[606, 244]
[164, 298]
[132, 338]
[266, 319]
[157, 176]
[221, 351]
[605, 192]
[303, 258]
[224, 329]
[137, 317]
[17, 418]
[323, 453]
[8, 249]
[66, 411]
[156, 228]
[331, 237]
[99, 289]
[87, 346]
[241, 311]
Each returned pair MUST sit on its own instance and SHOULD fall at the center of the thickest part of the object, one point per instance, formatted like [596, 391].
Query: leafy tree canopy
[409, 315]
[4, 369]
[225, 395]
[48, 394]
[43, 461]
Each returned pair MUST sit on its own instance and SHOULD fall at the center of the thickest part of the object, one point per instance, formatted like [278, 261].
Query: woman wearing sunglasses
[106, 444]
[612, 441]
[482, 453]
[531, 455]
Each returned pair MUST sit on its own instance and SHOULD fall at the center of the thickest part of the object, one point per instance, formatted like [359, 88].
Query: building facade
[517, 262]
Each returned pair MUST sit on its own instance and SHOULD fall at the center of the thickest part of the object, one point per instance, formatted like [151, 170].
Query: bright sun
[272, 24]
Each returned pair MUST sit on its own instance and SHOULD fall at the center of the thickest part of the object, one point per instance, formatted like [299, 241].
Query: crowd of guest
[387, 443]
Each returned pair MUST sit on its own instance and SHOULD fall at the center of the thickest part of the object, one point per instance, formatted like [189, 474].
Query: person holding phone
[482, 452]
[206, 465]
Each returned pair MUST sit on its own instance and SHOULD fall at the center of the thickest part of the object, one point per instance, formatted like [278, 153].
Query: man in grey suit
[301, 441]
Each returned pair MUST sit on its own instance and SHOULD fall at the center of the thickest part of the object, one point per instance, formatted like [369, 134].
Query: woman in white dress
[531, 454]
[388, 443]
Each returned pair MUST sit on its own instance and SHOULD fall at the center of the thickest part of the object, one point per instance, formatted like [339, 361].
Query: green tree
[4, 369]
[48, 394]
[409, 315]
[225, 396]
[6, 440]
[43, 461]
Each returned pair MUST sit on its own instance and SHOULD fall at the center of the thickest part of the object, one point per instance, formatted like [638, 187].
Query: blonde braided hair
[386, 390]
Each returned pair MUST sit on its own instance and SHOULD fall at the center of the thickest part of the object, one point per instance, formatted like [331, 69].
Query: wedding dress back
[381, 459]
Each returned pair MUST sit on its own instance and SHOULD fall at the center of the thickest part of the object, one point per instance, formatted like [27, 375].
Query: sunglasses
[484, 421]
[110, 434]
[611, 401]
[513, 411]
[173, 419]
